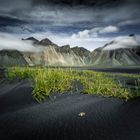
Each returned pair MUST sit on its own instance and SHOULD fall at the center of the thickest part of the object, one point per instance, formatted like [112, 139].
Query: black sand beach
[22, 118]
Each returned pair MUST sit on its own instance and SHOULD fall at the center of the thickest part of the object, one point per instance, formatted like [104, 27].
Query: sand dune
[57, 118]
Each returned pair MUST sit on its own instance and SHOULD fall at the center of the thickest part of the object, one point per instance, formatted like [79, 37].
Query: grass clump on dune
[58, 80]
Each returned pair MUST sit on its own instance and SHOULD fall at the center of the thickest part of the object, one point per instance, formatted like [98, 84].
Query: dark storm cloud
[13, 4]
[76, 2]
[7, 20]
[88, 23]
[67, 15]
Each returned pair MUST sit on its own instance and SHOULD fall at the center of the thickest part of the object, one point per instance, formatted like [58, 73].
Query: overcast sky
[86, 23]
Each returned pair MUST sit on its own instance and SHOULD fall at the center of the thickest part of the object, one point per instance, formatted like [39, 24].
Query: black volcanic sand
[22, 118]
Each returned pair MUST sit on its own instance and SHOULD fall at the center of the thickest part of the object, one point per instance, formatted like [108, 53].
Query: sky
[84, 23]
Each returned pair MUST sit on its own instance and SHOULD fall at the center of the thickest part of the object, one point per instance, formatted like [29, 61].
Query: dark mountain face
[64, 49]
[12, 58]
[81, 51]
[46, 42]
[119, 57]
[137, 51]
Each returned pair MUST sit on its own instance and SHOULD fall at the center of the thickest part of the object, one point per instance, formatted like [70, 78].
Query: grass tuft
[58, 80]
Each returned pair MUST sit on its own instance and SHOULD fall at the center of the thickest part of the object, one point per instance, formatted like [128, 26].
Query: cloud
[129, 22]
[84, 34]
[9, 5]
[59, 15]
[74, 2]
[45, 16]
[123, 42]
[11, 42]
[75, 22]
[109, 29]
[56, 16]
[95, 32]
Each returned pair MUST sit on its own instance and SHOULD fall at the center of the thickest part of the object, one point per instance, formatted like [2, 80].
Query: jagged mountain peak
[32, 39]
[65, 46]
[47, 42]
[52, 54]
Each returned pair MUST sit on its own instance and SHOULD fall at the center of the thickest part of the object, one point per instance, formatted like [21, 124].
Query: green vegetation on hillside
[57, 80]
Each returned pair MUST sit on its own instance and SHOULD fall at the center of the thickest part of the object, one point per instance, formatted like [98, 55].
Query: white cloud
[129, 22]
[123, 42]
[84, 34]
[12, 42]
[109, 29]
[94, 32]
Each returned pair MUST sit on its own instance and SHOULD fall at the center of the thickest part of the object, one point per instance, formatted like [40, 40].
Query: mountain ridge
[119, 52]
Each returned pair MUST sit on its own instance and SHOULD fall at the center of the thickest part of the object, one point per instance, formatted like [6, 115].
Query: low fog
[11, 42]
[14, 42]
[124, 42]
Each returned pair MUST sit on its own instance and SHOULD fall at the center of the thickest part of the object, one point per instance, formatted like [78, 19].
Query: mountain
[123, 51]
[47, 42]
[84, 54]
[12, 58]
[81, 51]
[52, 54]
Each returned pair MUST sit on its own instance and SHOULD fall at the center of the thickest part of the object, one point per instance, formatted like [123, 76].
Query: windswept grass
[57, 80]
